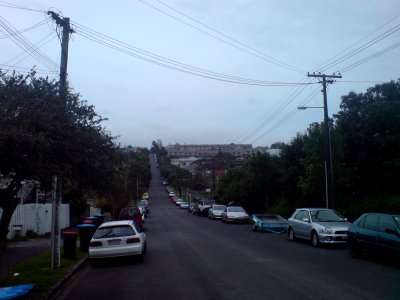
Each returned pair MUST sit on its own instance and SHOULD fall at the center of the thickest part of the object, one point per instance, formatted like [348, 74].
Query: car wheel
[255, 227]
[291, 235]
[314, 239]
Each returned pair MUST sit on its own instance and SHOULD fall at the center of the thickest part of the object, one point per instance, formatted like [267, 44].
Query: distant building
[240, 151]
[185, 163]
[270, 151]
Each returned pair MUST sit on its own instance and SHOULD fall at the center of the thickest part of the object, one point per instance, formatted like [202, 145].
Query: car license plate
[114, 242]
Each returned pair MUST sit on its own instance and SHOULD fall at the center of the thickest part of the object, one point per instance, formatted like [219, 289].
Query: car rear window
[114, 231]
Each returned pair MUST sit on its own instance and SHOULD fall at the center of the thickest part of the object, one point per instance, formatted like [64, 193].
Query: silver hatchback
[320, 225]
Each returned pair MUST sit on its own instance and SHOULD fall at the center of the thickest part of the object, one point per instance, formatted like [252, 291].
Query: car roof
[116, 223]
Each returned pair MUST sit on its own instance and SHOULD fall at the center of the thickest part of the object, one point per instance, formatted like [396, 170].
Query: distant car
[376, 234]
[191, 207]
[202, 206]
[268, 222]
[178, 201]
[235, 214]
[117, 238]
[132, 213]
[142, 211]
[184, 205]
[320, 225]
[171, 194]
[145, 203]
[215, 211]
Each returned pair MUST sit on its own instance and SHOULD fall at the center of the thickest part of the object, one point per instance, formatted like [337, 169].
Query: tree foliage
[42, 134]
[365, 137]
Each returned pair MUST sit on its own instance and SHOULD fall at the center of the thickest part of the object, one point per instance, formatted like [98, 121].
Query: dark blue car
[376, 234]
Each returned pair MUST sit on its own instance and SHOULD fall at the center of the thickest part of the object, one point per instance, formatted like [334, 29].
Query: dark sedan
[376, 234]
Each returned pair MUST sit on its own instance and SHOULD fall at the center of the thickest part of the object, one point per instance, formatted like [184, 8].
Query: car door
[387, 237]
[367, 234]
[302, 224]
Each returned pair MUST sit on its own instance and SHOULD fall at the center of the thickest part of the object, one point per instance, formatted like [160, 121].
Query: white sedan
[235, 214]
[115, 239]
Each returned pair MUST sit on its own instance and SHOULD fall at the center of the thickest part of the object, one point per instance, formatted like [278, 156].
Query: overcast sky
[262, 41]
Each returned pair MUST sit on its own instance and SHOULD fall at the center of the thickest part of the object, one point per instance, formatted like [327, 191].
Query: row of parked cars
[372, 233]
[124, 237]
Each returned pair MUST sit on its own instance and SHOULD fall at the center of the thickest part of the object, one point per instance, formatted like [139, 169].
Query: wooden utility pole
[328, 146]
[55, 232]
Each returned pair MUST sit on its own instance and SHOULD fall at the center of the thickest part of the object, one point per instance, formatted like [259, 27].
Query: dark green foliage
[365, 139]
[42, 134]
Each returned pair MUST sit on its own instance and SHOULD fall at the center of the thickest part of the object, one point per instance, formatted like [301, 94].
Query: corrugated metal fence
[35, 217]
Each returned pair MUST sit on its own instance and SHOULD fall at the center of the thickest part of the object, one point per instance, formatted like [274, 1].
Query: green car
[376, 234]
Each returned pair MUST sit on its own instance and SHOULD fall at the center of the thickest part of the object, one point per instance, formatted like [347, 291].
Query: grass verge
[38, 271]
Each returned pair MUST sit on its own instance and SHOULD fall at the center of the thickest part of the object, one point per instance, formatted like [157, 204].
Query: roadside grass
[38, 271]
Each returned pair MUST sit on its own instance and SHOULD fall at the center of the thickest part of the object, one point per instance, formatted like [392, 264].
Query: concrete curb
[57, 287]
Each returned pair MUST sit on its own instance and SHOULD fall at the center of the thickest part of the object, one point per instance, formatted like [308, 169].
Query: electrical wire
[26, 46]
[24, 30]
[287, 116]
[165, 62]
[254, 52]
[362, 48]
[329, 61]
[11, 5]
[391, 47]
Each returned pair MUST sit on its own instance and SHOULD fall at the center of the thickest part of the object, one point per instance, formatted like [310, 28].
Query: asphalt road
[191, 257]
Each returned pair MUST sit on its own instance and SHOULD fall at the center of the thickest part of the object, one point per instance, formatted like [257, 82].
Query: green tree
[42, 134]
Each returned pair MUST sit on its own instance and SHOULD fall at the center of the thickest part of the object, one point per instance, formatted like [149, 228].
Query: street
[192, 257]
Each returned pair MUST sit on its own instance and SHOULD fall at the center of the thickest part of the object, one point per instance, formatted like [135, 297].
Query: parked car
[268, 222]
[178, 201]
[376, 234]
[215, 211]
[191, 207]
[132, 213]
[145, 203]
[171, 194]
[184, 205]
[203, 206]
[320, 225]
[235, 214]
[117, 238]
[142, 211]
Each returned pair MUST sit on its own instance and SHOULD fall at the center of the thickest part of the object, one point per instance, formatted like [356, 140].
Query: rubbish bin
[86, 232]
[70, 243]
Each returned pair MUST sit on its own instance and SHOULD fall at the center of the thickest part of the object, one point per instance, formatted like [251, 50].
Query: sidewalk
[20, 251]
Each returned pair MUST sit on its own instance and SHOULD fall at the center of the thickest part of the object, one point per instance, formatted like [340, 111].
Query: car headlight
[326, 230]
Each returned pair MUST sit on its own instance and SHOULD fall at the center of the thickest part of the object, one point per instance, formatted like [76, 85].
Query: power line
[169, 63]
[254, 52]
[345, 69]
[11, 5]
[23, 30]
[26, 46]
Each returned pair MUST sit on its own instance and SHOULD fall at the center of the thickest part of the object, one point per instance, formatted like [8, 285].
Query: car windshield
[219, 207]
[235, 209]
[114, 231]
[326, 216]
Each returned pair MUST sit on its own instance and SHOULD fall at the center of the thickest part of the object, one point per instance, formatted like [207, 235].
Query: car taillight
[133, 240]
[96, 244]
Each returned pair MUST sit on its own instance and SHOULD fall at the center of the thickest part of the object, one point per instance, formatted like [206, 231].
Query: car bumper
[332, 239]
[98, 252]
[237, 220]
